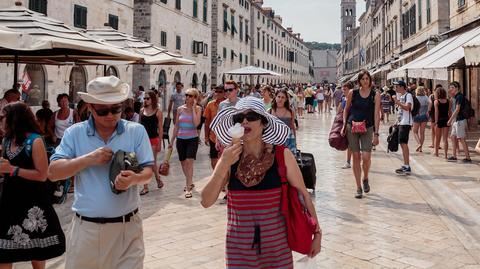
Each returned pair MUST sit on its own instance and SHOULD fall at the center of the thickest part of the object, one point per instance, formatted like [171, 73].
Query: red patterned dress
[256, 233]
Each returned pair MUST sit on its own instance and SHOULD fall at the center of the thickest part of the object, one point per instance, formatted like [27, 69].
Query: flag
[26, 82]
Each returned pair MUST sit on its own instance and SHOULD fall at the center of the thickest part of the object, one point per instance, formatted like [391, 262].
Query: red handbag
[359, 127]
[300, 224]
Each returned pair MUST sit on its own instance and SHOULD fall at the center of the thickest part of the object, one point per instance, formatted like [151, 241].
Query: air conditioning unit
[197, 47]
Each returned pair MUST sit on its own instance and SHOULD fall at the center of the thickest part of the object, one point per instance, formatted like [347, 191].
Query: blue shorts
[420, 118]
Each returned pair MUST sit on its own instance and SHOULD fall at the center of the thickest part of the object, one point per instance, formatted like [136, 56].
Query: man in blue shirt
[106, 231]
[458, 122]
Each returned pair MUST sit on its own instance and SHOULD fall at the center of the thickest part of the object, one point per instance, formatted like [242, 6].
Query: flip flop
[160, 184]
[144, 191]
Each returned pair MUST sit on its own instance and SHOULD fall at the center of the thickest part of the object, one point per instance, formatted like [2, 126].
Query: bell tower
[348, 18]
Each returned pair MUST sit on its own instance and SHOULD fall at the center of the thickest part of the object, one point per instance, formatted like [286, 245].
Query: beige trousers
[105, 246]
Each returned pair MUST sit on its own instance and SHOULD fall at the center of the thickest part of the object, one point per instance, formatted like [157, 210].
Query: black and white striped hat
[275, 133]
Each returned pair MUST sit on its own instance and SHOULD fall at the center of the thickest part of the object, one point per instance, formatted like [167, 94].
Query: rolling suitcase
[306, 163]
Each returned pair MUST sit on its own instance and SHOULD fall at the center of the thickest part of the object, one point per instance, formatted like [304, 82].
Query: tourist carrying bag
[299, 223]
[122, 161]
[335, 138]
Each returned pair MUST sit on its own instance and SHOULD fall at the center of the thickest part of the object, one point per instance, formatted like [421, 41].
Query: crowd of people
[82, 142]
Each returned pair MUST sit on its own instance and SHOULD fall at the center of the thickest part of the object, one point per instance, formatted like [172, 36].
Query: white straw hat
[105, 91]
[276, 132]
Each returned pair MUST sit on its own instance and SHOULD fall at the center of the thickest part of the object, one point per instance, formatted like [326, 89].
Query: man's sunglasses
[146, 98]
[250, 116]
[104, 111]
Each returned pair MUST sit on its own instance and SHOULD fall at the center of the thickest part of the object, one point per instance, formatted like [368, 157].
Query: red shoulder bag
[300, 224]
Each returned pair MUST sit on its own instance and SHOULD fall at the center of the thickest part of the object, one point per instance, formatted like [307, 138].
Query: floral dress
[29, 226]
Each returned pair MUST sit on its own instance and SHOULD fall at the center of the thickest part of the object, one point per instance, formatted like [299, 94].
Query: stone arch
[35, 92]
[78, 83]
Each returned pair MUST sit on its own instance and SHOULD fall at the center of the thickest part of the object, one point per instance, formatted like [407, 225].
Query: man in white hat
[106, 231]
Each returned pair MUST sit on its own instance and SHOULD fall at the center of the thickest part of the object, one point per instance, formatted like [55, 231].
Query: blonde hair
[193, 91]
[420, 91]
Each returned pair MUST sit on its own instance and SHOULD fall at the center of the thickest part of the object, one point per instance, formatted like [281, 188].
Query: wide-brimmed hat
[276, 132]
[105, 91]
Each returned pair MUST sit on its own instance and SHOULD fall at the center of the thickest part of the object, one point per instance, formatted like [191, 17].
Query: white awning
[253, 70]
[472, 52]
[385, 67]
[400, 72]
[434, 64]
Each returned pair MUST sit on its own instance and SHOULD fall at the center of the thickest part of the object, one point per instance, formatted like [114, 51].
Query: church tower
[348, 18]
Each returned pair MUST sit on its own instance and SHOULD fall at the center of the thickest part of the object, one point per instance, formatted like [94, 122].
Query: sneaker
[452, 159]
[359, 193]
[467, 160]
[366, 186]
[404, 170]
[346, 166]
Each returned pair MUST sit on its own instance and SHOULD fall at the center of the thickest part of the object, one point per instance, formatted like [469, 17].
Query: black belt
[124, 218]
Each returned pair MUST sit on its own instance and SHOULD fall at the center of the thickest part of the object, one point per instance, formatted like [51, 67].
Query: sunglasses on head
[104, 111]
[250, 116]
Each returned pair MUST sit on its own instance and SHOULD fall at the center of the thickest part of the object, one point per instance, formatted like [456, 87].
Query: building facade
[81, 14]
[324, 65]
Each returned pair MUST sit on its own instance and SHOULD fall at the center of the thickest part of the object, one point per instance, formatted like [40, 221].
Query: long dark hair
[153, 98]
[19, 121]
[361, 74]
[287, 101]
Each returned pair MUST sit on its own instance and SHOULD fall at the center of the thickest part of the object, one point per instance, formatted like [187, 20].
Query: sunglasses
[146, 98]
[189, 96]
[104, 111]
[250, 116]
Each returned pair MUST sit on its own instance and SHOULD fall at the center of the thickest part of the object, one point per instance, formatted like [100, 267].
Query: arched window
[177, 77]
[194, 80]
[204, 83]
[78, 83]
[161, 86]
[111, 71]
[35, 93]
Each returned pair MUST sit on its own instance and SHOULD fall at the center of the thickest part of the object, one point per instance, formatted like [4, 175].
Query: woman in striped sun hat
[256, 232]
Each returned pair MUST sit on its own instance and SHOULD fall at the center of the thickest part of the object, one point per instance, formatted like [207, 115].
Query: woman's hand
[316, 245]
[5, 166]
[231, 154]
[375, 140]
[343, 132]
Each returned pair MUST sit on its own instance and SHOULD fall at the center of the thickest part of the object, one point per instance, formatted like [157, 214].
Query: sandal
[188, 194]
[191, 187]
[160, 184]
[144, 191]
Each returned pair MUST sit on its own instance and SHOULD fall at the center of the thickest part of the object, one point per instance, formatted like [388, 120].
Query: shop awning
[472, 52]
[344, 78]
[435, 63]
[400, 72]
[383, 68]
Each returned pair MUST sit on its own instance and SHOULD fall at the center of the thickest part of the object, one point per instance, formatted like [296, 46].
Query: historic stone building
[324, 65]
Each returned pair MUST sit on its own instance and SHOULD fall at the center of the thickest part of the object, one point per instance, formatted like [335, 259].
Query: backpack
[467, 110]
[416, 105]
[392, 139]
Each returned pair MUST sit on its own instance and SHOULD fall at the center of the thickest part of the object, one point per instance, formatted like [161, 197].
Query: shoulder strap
[282, 168]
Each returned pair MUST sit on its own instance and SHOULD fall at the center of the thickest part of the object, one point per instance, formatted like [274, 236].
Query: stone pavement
[430, 219]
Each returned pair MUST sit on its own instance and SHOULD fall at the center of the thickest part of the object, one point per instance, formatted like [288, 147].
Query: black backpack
[467, 110]
[392, 139]
[416, 105]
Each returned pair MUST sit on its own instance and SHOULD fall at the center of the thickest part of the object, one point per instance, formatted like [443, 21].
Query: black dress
[29, 226]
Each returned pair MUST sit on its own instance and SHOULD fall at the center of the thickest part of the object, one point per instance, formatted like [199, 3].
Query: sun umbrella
[152, 54]
[253, 70]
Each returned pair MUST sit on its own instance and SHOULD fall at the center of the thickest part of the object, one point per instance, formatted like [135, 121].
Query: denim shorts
[420, 118]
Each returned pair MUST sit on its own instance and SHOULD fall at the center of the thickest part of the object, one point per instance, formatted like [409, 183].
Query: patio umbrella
[252, 70]
[152, 54]
[43, 40]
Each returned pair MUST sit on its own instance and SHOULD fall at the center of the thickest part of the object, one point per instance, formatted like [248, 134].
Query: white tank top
[62, 125]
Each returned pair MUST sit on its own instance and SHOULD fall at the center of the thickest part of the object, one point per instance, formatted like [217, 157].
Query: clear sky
[315, 20]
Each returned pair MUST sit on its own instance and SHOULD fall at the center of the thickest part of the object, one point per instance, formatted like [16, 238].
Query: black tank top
[362, 109]
[271, 179]
[151, 124]
[443, 110]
